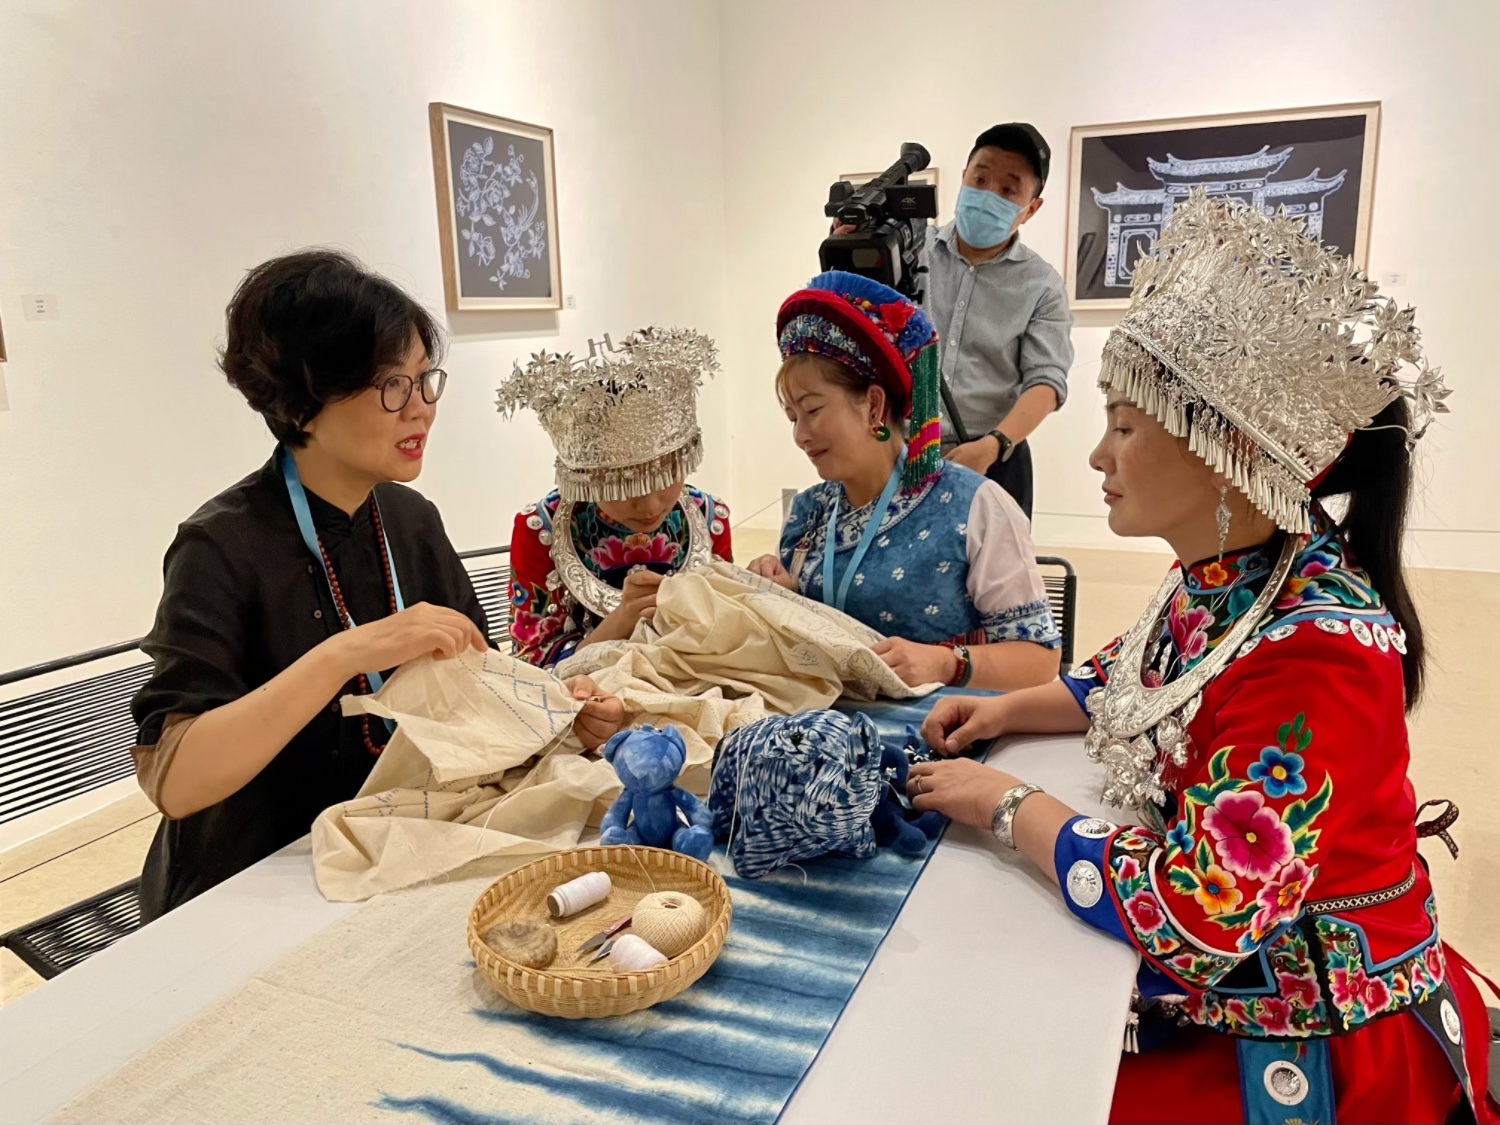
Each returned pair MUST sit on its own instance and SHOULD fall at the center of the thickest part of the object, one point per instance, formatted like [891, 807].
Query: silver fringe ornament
[624, 421]
[1265, 350]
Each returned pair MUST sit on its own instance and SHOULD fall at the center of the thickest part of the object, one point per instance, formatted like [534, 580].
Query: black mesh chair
[75, 933]
[492, 584]
[1061, 581]
[57, 743]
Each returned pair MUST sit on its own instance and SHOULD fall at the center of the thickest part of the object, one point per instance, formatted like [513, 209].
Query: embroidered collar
[852, 524]
[1216, 593]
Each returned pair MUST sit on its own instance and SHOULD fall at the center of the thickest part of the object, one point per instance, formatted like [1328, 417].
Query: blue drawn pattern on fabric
[789, 788]
[733, 1048]
[521, 692]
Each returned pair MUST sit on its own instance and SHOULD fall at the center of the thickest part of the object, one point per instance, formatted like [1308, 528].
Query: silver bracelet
[1005, 813]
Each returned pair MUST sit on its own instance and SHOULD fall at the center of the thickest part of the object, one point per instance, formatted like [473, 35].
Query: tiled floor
[1453, 755]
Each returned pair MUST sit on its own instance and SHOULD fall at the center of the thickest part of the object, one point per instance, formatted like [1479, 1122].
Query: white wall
[812, 90]
[151, 151]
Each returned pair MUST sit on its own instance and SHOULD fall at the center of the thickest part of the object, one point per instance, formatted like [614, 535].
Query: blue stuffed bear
[896, 824]
[653, 811]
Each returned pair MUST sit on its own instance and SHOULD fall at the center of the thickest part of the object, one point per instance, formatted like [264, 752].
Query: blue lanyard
[310, 537]
[877, 517]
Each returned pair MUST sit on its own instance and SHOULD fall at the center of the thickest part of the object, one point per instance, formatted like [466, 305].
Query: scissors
[603, 940]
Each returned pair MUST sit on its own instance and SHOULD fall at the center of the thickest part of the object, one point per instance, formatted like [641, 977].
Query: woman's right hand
[769, 566]
[419, 630]
[637, 602]
[956, 722]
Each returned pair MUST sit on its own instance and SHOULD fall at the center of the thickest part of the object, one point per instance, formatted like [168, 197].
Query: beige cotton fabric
[484, 767]
[722, 626]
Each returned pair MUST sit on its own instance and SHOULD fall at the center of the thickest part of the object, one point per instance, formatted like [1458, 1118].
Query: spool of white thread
[579, 894]
[670, 921]
[633, 954]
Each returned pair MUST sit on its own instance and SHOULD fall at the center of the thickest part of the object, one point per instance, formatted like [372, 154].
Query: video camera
[889, 217]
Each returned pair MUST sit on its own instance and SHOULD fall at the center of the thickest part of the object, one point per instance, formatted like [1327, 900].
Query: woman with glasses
[312, 578]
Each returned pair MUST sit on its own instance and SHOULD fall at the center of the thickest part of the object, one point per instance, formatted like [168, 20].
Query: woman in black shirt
[311, 578]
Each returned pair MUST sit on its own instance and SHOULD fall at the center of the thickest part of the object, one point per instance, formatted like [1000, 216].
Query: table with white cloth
[987, 1001]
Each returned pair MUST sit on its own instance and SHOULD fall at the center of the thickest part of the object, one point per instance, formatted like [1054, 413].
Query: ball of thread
[579, 894]
[530, 944]
[670, 921]
[633, 954]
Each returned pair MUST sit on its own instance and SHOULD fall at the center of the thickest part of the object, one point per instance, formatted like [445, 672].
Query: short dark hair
[313, 327]
[1025, 141]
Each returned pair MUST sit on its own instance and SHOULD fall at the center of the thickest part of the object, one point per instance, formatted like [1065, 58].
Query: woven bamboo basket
[570, 987]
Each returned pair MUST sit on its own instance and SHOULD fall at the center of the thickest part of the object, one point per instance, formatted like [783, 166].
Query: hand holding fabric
[918, 664]
[769, 566]
[602, 715]
[421, 630]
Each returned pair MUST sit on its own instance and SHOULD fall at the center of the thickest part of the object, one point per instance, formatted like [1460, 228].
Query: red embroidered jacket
[1282, 897]
[547, 619]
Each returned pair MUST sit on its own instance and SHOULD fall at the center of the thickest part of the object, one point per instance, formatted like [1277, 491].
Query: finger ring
[920, 789]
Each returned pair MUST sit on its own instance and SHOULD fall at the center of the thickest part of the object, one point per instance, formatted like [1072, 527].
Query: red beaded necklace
[345, 616]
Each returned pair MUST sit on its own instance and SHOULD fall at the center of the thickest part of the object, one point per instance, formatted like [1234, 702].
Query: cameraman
[1001, 311]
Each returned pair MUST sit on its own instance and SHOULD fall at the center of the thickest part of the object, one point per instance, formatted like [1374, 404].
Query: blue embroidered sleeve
[1092, 673]
[1030, 622]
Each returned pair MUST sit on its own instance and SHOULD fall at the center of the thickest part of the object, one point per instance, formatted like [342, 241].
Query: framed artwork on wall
[927, 175]
[1125, 179]
[497, 211]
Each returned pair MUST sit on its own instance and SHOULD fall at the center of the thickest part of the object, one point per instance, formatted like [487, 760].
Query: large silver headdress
[624, 421]
[1264, 350]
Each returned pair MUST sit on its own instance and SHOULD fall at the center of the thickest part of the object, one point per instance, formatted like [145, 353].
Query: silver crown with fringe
[1265, 350]
[624, 421]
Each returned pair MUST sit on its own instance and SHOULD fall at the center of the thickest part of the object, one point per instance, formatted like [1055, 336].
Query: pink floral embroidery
[1281, 898]
[534, 630]
[1375, 995]
[1250, 839]
[1433, 958]
[1301, 991]
[1189, 625]
[635, 550]
[1237, 1013]
[1275, 1015]
[1291, 594]
[1348, 987]
[1151, 678]
[1145, 912]
[1128, 868]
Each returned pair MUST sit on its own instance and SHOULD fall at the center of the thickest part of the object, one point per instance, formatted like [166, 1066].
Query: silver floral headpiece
[1264, 350]
[624, 421]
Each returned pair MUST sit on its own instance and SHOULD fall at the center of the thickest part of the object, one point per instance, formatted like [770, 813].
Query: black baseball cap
[1020, 138]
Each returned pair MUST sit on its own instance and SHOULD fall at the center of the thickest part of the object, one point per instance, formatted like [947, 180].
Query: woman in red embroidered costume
[588, 560]
[1291, 963]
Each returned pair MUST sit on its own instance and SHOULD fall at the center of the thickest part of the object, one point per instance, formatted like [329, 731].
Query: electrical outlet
[570, 301]
[40, 306]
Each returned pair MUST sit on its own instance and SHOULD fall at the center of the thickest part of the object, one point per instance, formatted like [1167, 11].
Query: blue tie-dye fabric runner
[734, 1047]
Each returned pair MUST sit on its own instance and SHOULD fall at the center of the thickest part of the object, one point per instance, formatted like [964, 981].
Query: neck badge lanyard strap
[310, 536]
[877, 517]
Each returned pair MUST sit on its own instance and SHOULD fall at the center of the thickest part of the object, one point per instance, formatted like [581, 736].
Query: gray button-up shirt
[1004, 326]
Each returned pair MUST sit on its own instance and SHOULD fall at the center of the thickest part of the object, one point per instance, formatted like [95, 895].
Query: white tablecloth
[987, 1002]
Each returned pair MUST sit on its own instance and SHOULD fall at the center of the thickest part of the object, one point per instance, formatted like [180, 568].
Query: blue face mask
[984, 218]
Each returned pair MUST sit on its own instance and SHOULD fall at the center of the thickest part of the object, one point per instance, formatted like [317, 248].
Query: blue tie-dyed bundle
[792, 788]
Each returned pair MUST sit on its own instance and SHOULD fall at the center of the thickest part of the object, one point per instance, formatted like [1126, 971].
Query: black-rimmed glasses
[395, 391]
